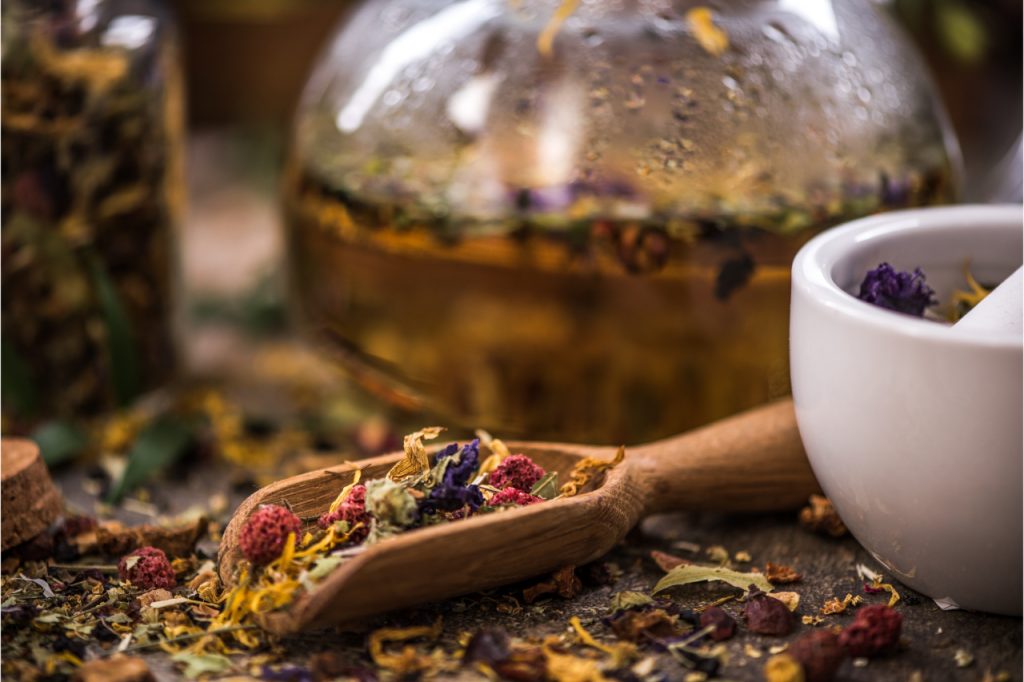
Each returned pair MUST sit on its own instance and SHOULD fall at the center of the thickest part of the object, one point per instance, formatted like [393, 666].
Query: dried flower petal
[821, 517]
[724, 625]
[779, 574]
[904, 292]
[768, 616]
[667, 562]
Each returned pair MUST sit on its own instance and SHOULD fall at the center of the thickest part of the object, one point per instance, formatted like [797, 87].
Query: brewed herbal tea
[607, 329]
[576, 220]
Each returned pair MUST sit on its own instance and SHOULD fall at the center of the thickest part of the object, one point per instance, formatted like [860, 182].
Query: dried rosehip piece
[819, 653]
[265, 532]
[147, 568]
[512, 496]
[874, 630]
[352, 511]
[517, 471]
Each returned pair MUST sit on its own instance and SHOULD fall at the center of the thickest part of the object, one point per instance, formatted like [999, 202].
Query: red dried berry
[819, 653]
[874, 629]
[514, 496]
[265, 532]
[517, 471]
[724, 624]
[356, 501]
[768, 616]
[147, 568]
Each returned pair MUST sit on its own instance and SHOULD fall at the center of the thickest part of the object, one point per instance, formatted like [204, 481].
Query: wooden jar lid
[30, 502]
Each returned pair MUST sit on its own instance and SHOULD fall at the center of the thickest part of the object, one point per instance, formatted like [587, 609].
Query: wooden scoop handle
[751, 462]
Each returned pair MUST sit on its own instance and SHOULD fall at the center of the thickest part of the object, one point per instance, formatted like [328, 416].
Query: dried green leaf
[202, 664]
[323, 567]
[547, 487]
[684, 575]
[59, 441]
[17, 385]
[125, 372]
[158, 446]
[622, 601]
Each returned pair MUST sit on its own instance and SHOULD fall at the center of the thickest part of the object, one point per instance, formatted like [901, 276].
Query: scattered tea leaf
[125, 372]
[547, 487]
[158, 446]
[622, 601]
[202, 664]
[684, 575]
[59, 441]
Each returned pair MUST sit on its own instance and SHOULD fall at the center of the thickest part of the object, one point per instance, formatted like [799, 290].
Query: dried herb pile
[712, 614]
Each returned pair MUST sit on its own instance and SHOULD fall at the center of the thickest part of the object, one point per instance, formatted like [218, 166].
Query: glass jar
[582, 229]
[92, 187]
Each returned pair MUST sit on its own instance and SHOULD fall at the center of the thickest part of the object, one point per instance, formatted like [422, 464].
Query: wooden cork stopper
[30, 502]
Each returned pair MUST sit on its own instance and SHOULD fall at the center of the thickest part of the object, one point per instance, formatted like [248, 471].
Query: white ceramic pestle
[1001, 311]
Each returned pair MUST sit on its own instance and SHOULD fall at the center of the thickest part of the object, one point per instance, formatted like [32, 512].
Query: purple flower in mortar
[904, 292]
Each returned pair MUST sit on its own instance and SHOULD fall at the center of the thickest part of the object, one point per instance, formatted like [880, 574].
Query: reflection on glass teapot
[576, 221]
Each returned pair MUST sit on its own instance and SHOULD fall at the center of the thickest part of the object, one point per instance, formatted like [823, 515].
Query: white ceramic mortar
[914, 432]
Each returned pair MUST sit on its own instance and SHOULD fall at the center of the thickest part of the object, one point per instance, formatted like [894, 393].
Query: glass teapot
[575, 220]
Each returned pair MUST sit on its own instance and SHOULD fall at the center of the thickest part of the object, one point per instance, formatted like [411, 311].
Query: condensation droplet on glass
[877, 117]
[775, 33]
[592, 38]
[850, 59]
[730, 82]
[864, 95]
[391, 98]
[445, 48]
[861, 113]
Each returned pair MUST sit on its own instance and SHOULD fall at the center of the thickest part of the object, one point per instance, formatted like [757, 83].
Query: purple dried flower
[904, 292]
[454, 492]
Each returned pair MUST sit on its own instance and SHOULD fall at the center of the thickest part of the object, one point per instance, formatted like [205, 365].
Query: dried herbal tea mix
[420, 490]
[91, 186]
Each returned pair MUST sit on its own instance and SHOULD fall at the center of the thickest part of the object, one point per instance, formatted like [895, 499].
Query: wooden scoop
[751, 462]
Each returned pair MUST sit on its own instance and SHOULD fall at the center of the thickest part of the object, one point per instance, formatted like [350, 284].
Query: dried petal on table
[563, 582]
[639, 626]
[667, 562]
[780, 574]
[821, 517]
[768, 616]
[724, 625]
[834, 606]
